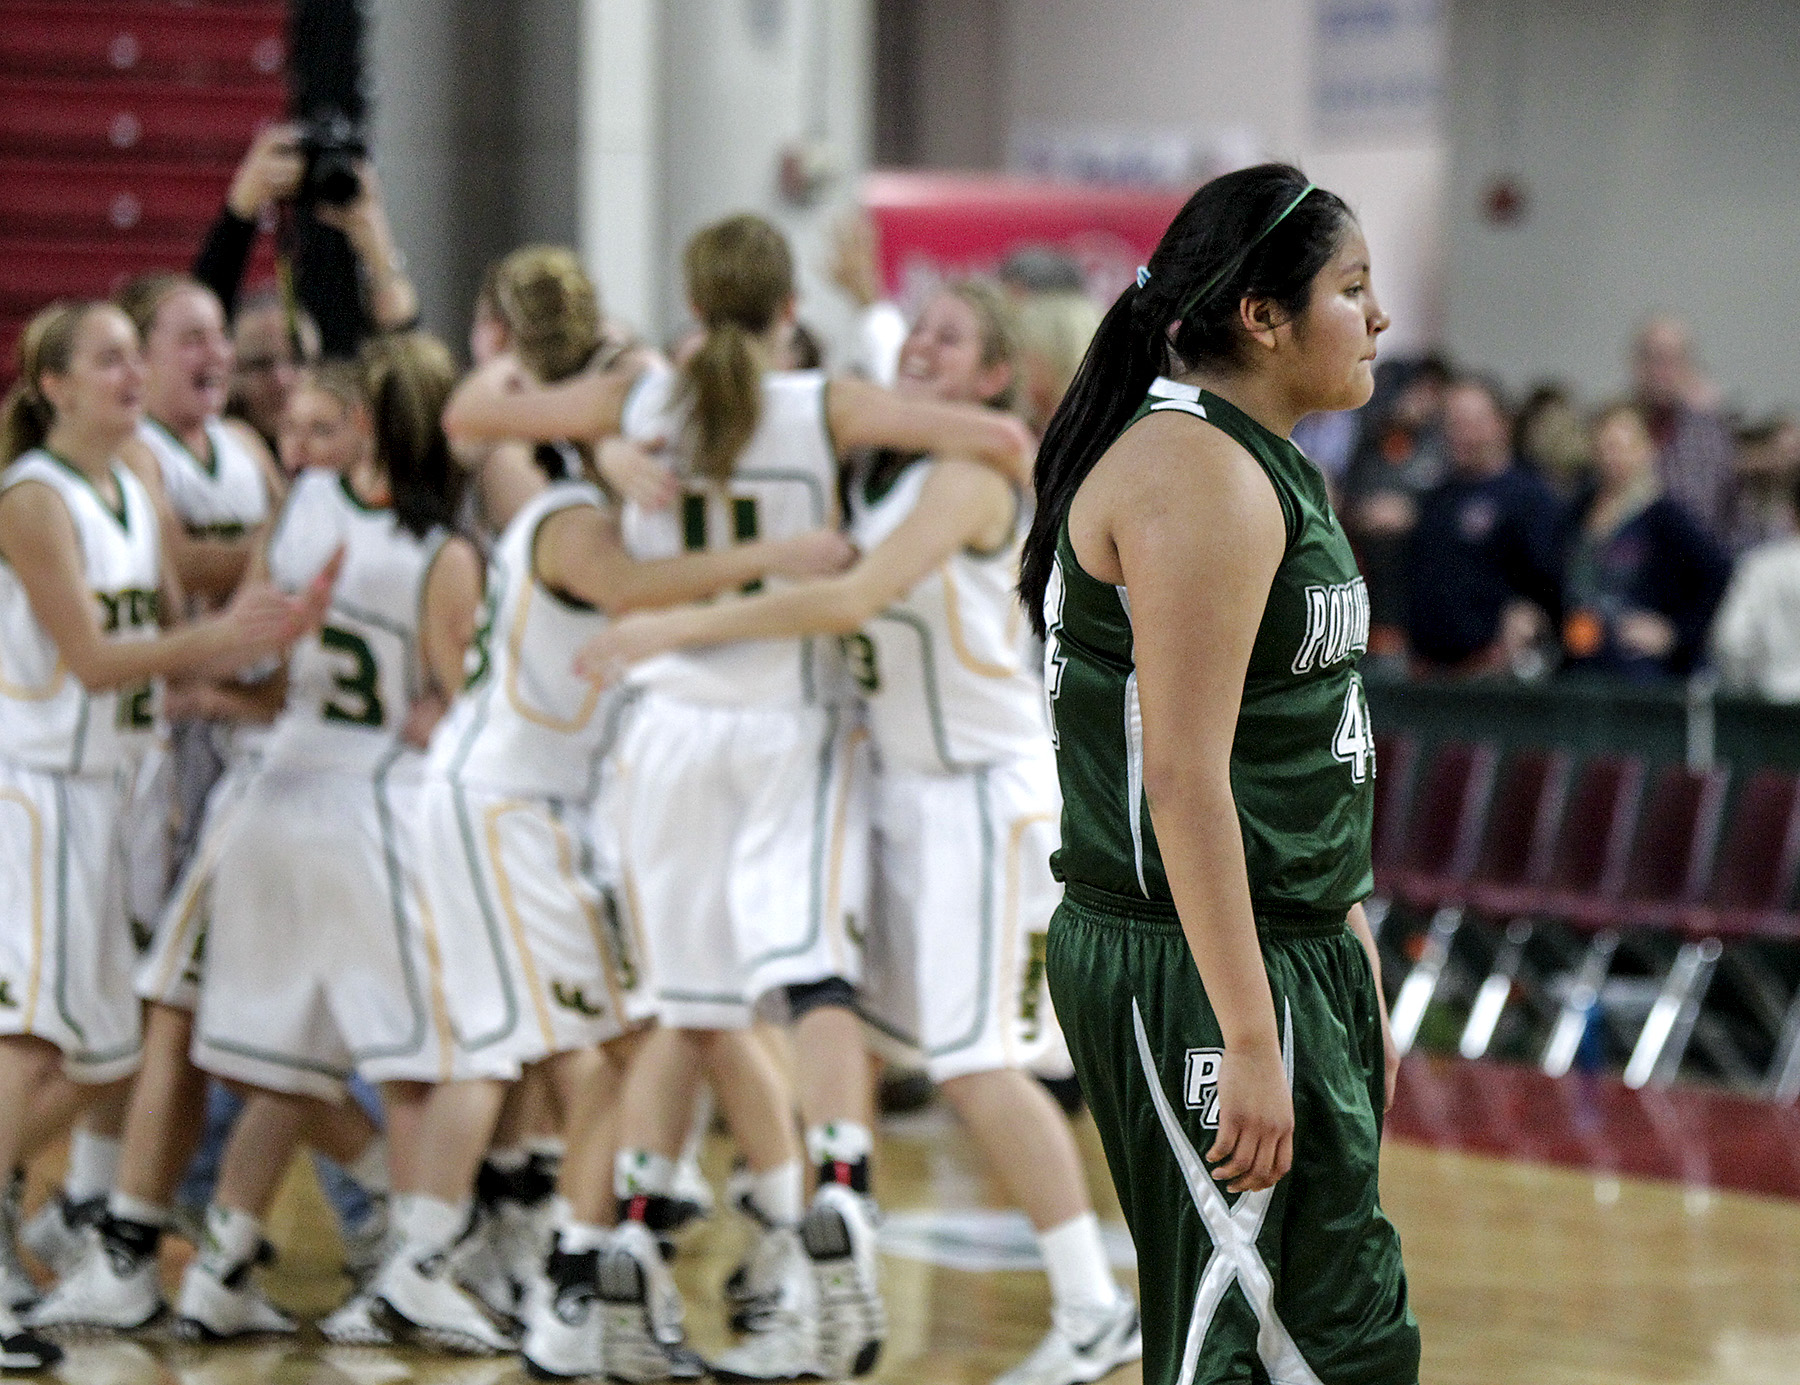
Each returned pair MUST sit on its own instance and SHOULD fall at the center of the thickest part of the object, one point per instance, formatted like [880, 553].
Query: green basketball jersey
[1303, 760]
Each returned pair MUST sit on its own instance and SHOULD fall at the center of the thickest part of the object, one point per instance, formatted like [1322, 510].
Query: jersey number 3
[358, 699]
[1353, 743]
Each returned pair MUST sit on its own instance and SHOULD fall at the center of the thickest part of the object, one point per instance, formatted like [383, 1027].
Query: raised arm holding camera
[348, 275]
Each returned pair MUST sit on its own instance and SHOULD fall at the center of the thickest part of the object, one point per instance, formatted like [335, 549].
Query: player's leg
[218, 1301]
[1093, 1321]
[55, 1232]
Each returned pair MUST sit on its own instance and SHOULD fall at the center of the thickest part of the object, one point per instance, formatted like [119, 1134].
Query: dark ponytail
[1230, 241]
[407, 378]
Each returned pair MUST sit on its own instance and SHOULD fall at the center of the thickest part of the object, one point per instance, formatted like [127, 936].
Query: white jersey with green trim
[351, 683]
[222, 499]
[784, 484]
[944, 669]
[48, 720]
[526, 723]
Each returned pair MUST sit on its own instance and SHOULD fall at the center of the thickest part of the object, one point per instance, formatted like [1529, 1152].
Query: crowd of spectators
[1648, 539]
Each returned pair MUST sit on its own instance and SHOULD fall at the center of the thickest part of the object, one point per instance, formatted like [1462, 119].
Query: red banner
[934, 226]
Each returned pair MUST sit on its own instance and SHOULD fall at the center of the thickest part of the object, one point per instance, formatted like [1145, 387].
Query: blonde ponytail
[46, 347]
[740, 278]
[550, 307]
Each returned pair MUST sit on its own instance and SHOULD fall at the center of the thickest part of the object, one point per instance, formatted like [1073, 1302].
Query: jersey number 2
[1354, 743]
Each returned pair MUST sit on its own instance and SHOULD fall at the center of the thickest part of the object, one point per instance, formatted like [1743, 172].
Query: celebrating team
[680, 789]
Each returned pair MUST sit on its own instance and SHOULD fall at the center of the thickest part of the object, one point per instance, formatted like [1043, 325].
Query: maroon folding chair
[1443, 828]
[1516, 853]
[1670, 863]
[1751, 898]
[1587, 862]
[1443, 837]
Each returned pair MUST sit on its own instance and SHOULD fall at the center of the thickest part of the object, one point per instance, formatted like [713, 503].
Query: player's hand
[1255, 1143]
[1646, 633]
[270, 171]
[422, 716]
[817, 553]
[194, 700]
[363, 219]
[1021, 441]
[635, 471]
[262, 620]
[853, 267]
[315, 600]
[628, 640]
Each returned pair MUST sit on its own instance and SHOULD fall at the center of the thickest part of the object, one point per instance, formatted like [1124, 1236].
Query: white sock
[232, 1238]
[510, 1159]
[93, 1165]
[642, 1173]
[839, 1142]
[780, 1193]
[1081, 1281]
[128, 1208]
[546, 1146]
[698, 1126]
[429, 1224]
[371, 1168]
[579, 1236]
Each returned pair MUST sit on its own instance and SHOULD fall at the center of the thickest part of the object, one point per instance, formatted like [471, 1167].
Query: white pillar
[619, 177]
[745, 80]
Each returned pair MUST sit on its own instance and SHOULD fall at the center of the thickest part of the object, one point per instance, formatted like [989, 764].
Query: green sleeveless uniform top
[1303, 759]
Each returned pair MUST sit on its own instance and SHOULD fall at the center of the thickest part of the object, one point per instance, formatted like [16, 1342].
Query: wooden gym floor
[1565, 1266]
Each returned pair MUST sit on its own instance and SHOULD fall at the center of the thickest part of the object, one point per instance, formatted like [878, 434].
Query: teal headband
[1236, 263]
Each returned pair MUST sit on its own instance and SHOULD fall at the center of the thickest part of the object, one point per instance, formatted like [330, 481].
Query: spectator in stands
[880, 329]
[1481, 563]
[1642, 574]
[1054, 329]
[270, 349]
[1756, 637]
[348, 273]
[1681, 408]
[1398, 458]
[1551, 437]
[1768, 465]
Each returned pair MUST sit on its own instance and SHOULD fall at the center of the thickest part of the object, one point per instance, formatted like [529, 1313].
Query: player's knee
[805, 997]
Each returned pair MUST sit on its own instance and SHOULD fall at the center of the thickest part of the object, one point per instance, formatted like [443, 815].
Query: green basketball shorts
[1299, 1284]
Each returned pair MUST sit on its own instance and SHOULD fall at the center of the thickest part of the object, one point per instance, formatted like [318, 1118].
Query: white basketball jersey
[47, 719]
[784, 484]
[349, 685]
[944, 669]
[222, 500]
[525, 722]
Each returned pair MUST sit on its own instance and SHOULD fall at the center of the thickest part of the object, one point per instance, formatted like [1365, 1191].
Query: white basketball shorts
[535, 961]
[964, 894]
[743, 840]
[66, 952]
[313, 969]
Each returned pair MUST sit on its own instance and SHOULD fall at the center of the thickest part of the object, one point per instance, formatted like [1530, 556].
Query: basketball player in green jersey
[1210, 961]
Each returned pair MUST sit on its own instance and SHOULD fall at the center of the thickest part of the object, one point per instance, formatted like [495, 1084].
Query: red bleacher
[193, 44]
[121, 122]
